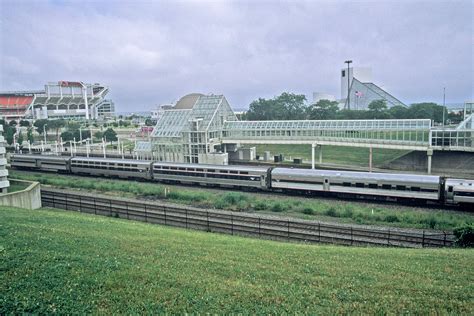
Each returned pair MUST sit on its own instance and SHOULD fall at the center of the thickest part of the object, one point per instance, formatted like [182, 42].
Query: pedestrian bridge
[413, 134]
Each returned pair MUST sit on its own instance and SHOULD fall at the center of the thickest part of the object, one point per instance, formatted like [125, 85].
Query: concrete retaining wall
[29, 198]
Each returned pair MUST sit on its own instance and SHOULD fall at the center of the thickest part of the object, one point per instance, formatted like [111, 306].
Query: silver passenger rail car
[219, 175]
[122, 168]
[459, 191]
[41, 162]
[348, 183]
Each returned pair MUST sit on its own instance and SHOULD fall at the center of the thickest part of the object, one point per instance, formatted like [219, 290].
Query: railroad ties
[241, 224]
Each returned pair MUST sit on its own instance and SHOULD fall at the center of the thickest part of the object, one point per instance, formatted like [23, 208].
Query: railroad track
[266, 227]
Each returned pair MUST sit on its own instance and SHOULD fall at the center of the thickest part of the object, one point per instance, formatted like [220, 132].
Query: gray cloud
[154, 52]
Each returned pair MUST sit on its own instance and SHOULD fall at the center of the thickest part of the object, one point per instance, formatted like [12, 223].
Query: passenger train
[379, 186]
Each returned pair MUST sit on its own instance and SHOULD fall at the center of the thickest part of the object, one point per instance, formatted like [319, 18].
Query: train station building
[203, 129]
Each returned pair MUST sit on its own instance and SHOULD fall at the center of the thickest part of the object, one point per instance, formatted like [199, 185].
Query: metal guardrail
[265, 227]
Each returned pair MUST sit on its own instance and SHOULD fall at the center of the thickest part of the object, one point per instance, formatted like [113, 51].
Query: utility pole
[44, 132]
[348, 62]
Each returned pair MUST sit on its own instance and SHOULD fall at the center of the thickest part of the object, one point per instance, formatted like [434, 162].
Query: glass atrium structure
[189, 135]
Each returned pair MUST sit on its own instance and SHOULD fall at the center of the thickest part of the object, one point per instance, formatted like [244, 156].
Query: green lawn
[333, 154]
[17, 186]
[315, 208]
[71, 263]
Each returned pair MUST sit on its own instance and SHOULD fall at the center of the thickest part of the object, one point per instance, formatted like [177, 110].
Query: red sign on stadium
[70, 84]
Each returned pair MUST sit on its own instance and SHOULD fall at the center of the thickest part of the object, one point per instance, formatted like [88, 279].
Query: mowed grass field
[313, 208]
[333, 154]
[72, 263]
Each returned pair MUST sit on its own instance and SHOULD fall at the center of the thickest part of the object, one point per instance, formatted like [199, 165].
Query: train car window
[326, 180]
[223, 171]
[244, 172]
[346, 184]
[211, 170]
[386, 186]
[373, 185]
[200, 170]
[415, 189]
[450, 189]
[359, 185]
[401, 187]
[234, 172]
[181, 168]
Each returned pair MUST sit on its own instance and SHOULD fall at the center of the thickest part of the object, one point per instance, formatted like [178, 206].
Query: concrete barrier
[29, 198]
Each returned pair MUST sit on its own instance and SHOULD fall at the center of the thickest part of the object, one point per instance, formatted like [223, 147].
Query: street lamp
[348, 62]
[44, 132]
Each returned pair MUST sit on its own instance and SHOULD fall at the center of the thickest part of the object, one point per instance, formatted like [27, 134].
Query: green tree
[9, 134]
[85, 133]
[110, 135]
[323, 110]
[399, 112]
[56, 125]
[29, 135]
[99, 135]
[41, 125]
[428, 110]
[12, 123]
[20, 138]
[149, 122]
[67, 136]
[24, 123]
[378, 109]
[287, 106]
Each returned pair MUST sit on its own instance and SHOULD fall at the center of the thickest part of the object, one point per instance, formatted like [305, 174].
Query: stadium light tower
[84, 93]
[348, 62]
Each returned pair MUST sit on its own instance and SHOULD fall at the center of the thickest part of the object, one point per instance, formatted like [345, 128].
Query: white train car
[40, 162]
[459, 191]
[378, 185]
[122, 168]
[219, 175]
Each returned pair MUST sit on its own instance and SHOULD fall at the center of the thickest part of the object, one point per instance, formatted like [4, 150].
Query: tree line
[289, 106]
[64, 130]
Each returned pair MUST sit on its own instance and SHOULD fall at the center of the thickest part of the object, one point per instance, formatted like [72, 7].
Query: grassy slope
[68, 262]
[309, 208]
[333, 154]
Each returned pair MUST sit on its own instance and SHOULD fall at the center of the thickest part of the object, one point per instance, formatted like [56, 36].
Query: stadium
[62, 99]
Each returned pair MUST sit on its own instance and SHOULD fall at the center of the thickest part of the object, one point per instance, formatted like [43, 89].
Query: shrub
[430, 221]
[260, 206]
[308, 211]
[464, 236]
[331, 212]
[392, 218]
[277, 207]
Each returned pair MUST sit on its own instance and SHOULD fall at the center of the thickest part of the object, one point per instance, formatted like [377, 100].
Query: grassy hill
[57, 261]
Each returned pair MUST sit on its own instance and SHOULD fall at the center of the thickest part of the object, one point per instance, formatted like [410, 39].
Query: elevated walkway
[414, 135]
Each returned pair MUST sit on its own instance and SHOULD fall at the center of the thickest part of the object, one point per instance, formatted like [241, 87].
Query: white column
[103, 147]
[84, 93]
[320, 154]
[370, 158]
[313, 146]
[429, 152]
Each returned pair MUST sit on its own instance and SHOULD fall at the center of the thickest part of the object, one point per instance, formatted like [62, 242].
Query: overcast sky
[150, 53]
